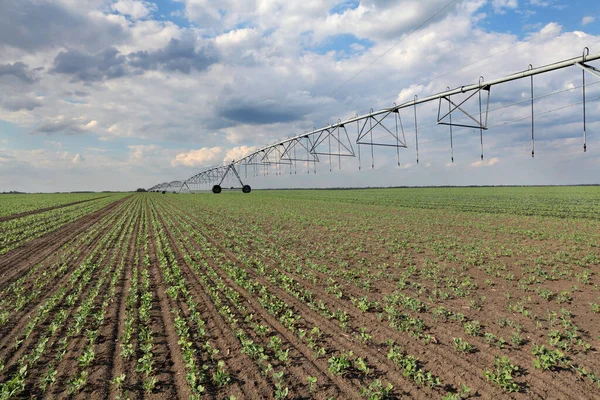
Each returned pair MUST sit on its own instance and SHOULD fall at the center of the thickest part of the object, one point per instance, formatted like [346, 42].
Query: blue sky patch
[532, 16]
[344, 5]
[169, 10]
[344, 45]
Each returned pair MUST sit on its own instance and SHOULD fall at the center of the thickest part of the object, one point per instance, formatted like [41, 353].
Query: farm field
[390, 293]
[16, 205]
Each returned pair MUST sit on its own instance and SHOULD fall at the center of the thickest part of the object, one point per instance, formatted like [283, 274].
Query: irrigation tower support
[308, 147]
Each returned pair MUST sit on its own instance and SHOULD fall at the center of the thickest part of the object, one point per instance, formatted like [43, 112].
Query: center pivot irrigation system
[334, 140]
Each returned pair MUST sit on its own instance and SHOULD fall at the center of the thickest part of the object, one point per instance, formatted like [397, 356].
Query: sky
[122, 94]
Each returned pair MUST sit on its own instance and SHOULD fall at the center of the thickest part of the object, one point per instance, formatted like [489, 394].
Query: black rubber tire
[246, 189]
[163, 192]
[216, 189]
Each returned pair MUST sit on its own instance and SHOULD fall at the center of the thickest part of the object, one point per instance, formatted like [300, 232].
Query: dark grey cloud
[36, 24]
[17, 103]
[18, 70]
[59, 126]
[77, 93]
[107, 64]
[178, 55]
[250, 111]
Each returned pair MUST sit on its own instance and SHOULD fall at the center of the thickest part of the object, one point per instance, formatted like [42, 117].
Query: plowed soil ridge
[41, 210]
[13, 263]
[543, 383]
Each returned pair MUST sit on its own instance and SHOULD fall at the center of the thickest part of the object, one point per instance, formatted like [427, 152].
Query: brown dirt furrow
[175, 367]
[163, 359]
[542, 380]
[36, 226]
[8, 352]
[105, 365]
[243, 369]
[301, 365]
[52, 346]
[41, 210]
[22, 316]
[349, 389]
[300, 369]
[444, 362]
[546, 383]
[118, 326]
[49, 356]
[333, 336]
[16, 261]
[340, 339]
[68, 367]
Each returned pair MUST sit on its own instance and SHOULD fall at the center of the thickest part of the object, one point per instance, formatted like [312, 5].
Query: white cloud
[269, 82]
[78, 159]
[53, 144]
[486, 163]
[90, 125]
[501, 5]
[552, 27]
[134, 9]
[141, 152]
[200, 157]
[588, 20]
[238, 152]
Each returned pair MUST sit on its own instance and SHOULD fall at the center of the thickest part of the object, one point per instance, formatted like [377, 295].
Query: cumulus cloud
[588, 20]
[134, 9]
[200, 157]
[246, 73]
[17, 70]
[178, 55]
[500, 6]
[260, 112]
[78, 159]
[60, 125]
[141, 152]
[17, 102]
[107, 64]
[38, 24]
[238, 152]
[486, 163]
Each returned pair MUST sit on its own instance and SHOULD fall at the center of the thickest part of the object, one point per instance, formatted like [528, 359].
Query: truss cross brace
[589, 68]
[231, 167]
[478, 123]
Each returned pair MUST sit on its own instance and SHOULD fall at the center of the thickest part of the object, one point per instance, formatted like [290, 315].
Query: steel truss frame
[309, 147]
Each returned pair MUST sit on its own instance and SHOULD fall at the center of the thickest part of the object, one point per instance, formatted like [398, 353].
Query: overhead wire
[390, 49]
[530, 39]
[462, 132]
[520, 102]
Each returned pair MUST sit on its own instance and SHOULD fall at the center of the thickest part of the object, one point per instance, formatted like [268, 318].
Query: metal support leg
[416, 129]
[532, 118]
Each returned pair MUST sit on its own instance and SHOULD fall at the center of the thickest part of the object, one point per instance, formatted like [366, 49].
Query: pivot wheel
[246, 189]
[216, 189]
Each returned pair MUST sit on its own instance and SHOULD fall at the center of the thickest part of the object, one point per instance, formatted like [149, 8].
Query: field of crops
[394, 293]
